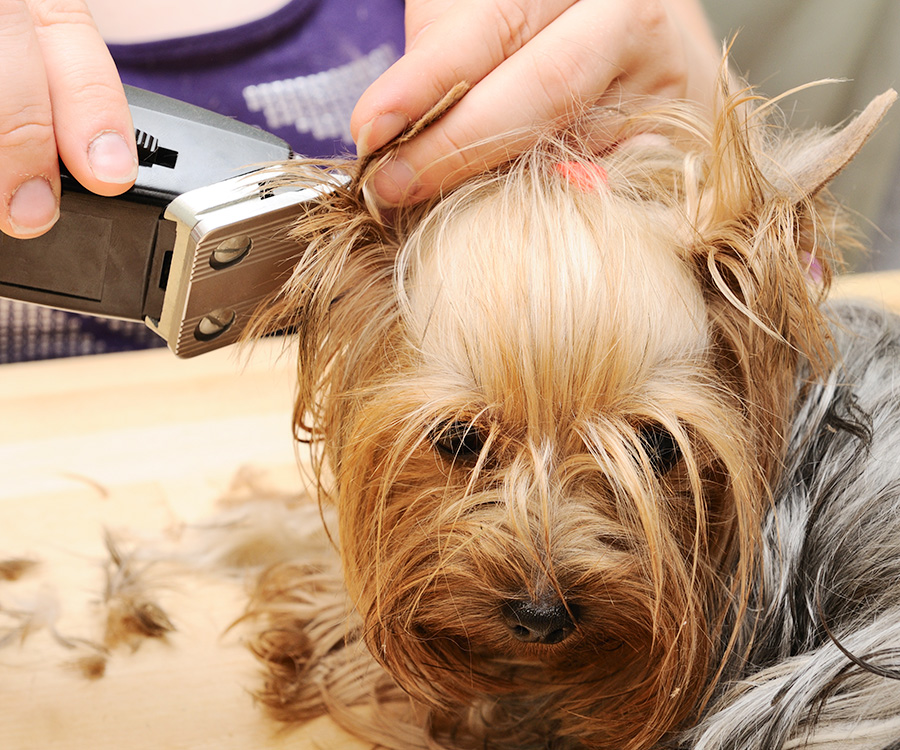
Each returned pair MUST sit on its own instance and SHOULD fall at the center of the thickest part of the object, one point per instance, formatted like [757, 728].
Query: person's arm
[61, 98]
[529, 62]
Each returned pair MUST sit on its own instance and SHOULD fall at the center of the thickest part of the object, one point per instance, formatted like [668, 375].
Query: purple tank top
[296, 73]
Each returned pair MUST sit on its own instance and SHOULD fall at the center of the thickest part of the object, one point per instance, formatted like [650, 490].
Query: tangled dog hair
[608, 472]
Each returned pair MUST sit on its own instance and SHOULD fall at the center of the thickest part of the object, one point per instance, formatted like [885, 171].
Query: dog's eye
[458, 440]
[661, 448]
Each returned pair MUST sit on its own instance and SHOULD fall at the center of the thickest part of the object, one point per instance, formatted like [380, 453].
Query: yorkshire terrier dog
[608, 471]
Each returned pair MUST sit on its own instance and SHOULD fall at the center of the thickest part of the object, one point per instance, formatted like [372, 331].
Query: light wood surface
[882, 287]
[143, 445]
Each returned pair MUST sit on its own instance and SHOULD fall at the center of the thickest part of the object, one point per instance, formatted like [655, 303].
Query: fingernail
[378, 131]
[33, 207]
[394, 183]
[110, 158]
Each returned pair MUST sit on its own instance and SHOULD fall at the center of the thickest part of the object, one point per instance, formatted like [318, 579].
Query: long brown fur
[560, 325]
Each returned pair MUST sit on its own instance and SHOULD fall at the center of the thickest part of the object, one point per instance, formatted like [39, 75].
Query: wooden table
[144, 446]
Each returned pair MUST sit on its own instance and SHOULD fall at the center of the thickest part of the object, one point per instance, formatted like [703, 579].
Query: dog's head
[552, 404]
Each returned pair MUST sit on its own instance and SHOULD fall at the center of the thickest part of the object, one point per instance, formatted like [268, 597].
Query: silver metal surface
[232, 251]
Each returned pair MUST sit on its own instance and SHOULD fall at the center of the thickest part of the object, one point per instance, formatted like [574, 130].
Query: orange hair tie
[585, 176]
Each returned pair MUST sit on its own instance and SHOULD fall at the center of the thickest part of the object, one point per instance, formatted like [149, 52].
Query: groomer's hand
[60, 95]
[530, 63]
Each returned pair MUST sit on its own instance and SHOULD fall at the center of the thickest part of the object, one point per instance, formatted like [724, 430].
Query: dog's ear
[754, 163]
[805, 171]
[767, 234]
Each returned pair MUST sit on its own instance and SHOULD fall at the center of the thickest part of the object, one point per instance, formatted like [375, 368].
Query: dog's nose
[545, 621]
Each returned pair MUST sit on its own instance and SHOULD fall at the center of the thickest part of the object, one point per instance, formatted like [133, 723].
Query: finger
[464, 43]
[51, 70]
[419, 15]
[29, 176]
[594, 52]
[92, 122]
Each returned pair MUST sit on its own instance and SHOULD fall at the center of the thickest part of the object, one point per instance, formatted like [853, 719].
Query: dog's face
[552, 408]
[527, 485]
